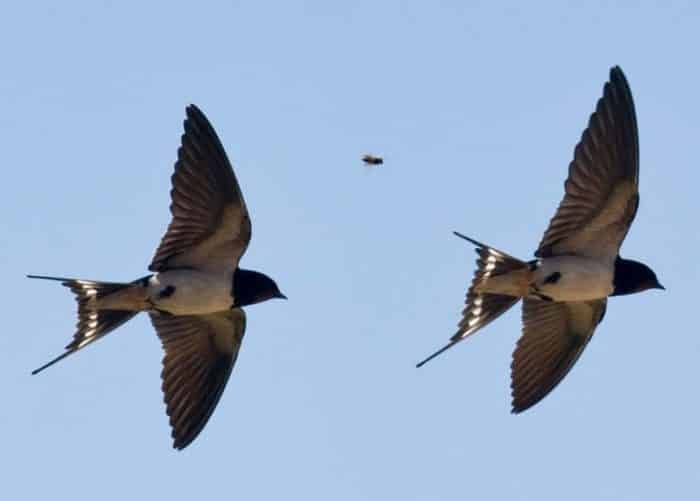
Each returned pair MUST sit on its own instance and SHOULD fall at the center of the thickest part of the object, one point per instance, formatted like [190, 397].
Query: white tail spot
[490, 265]
[88, 288]
[92, 327]
[88, 338]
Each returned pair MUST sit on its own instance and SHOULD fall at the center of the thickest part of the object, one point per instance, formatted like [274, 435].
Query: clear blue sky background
[476, 108]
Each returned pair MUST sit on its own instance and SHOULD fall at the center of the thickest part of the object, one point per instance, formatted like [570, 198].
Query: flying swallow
[578, 265]
[196, 292]
[372, 160]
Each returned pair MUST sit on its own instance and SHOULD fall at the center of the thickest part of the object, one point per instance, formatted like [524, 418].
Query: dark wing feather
[200, 352]
[210, 228]
[554, 336]
[601, 196]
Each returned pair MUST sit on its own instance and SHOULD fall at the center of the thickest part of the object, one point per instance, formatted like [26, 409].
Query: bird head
[633, 276]
[251, 287]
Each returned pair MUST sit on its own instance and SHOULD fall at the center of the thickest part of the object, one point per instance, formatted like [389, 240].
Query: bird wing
[200, 352]
[554, 336]
[601, 193]
[210, 228]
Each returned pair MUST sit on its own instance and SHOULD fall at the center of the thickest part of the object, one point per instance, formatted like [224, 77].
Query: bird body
[565, 290]
[572, 278]
[190, 292]
[178, 292]
[558, 278]
[196, 290]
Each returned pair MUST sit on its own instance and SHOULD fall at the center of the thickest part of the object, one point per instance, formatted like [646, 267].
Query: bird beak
[280, 296]
[661, 287]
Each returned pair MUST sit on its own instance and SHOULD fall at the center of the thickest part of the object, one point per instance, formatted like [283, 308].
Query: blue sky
[476, 108]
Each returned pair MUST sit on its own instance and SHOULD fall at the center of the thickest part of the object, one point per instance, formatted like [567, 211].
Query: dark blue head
[632, 276]
[251, 287]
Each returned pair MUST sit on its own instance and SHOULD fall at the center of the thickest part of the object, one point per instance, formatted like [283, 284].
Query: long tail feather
[482, 307]
[439, 352]
[92, 323]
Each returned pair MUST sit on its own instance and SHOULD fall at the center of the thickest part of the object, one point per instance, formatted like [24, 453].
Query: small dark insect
[372, 160]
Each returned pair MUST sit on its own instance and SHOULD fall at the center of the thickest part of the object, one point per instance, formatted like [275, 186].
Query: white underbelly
[581, 279]
[196, 292]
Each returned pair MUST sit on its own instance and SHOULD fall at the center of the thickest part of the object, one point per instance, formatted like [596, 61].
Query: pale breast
[573, 278]
[191, 292]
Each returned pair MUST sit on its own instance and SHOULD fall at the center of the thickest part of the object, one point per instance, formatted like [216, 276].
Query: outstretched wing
[210, 228]
[601, 196]
[554, 336]
[200, 352]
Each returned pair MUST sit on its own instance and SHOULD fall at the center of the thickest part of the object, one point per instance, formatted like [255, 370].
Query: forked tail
[94, 323]
[500, 280]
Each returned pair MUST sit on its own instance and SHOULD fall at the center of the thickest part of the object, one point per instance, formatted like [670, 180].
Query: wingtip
[193, 112]
[617, 77]
[519, 409]
[518, 406]
[181, 443]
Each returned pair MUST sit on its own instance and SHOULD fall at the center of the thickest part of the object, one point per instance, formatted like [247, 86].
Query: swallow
[578, 264]
[196, 291]
[372, 160]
